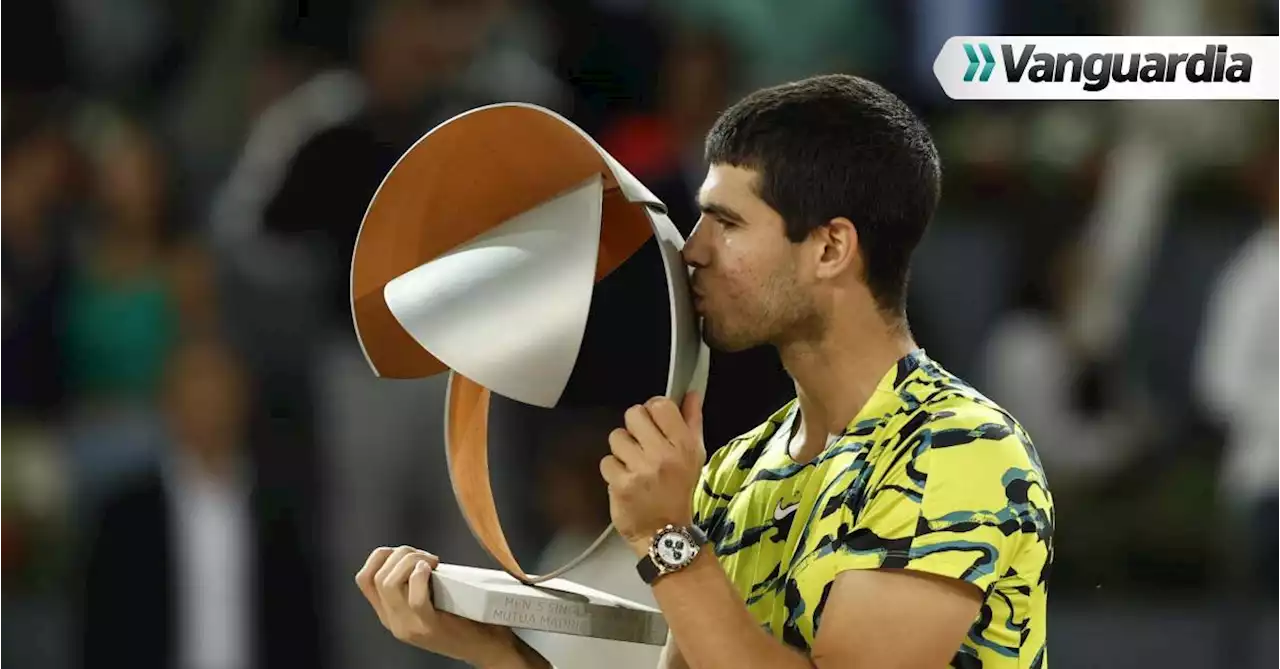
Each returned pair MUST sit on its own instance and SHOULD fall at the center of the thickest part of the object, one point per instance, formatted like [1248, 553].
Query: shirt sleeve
[959, 498]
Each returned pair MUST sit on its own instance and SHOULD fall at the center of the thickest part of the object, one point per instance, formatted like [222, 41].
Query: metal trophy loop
[478, 255]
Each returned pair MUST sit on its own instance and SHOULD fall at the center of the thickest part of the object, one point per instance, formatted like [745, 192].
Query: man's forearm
[712, 626]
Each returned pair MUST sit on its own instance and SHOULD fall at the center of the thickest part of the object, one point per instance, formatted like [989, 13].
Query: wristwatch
[672, 549]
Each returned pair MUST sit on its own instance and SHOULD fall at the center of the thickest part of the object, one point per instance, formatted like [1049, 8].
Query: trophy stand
[556, 605]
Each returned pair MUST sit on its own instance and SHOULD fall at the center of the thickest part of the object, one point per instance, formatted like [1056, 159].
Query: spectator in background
[192, 564]
[1236, 371]
[1238, 384]
[37, 170]
[120, 311]
[1032, 367]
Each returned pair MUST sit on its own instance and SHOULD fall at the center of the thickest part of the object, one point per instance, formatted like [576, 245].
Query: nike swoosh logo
[784, 511]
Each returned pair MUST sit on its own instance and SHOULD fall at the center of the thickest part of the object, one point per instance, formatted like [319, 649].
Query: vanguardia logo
[988, 62]
[1109, 67]
[1098, 70]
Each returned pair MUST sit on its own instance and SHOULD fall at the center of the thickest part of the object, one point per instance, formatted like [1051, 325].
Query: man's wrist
[640, 546]
[698, 564]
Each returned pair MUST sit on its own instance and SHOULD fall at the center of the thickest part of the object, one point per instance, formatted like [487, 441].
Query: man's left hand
[654, 466]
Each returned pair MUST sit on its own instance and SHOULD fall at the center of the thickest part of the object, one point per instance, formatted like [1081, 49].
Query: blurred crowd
[198, 458]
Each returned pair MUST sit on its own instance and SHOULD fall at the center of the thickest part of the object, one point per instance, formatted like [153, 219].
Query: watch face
[675, 549]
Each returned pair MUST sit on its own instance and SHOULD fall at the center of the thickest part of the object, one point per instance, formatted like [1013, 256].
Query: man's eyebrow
[720, 211]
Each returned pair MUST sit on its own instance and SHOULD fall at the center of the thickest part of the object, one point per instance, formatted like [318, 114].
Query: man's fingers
[420, 590]
[390, 564]
[641, 426]
[380, 579]
[625, 448]
[365, 577]
[666, 415]
[392, 586]
[612, 470]
[691, 411]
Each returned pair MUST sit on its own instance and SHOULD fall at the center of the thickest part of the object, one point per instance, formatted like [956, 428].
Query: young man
[890, 515]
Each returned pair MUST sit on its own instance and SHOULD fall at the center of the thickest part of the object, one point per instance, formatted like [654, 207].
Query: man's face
[749, 280]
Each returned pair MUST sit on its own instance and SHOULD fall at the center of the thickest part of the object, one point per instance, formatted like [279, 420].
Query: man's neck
[836, 375]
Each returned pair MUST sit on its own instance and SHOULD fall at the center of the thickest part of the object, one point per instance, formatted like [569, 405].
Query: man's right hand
[397, 582]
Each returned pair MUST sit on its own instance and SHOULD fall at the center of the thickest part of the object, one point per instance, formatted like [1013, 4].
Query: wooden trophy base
[558, 605]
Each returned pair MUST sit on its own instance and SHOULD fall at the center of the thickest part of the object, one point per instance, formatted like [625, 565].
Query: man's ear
[837, 248]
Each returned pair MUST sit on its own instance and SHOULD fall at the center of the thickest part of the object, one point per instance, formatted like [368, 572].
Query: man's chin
[724, 345]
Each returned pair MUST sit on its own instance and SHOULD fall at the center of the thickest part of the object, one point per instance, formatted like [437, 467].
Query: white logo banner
[1110, 68]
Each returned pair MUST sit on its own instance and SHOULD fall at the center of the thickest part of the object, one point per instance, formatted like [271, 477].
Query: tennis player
[888, 516]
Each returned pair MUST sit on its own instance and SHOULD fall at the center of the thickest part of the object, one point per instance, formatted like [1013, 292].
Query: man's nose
[695, 251]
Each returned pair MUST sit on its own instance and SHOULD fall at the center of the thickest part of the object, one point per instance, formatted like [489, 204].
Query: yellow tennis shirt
[930, 476]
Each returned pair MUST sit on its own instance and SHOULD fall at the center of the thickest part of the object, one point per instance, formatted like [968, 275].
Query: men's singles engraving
[541, 614]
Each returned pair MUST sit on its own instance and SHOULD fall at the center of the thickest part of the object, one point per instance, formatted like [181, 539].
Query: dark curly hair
[839, 145]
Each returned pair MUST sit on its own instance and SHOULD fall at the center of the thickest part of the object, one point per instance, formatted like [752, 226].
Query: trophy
[478, 256]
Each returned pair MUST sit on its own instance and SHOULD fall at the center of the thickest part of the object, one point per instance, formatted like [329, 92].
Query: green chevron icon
[987, 57]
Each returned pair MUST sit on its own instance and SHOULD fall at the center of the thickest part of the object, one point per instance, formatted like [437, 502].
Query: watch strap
[648, 569]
